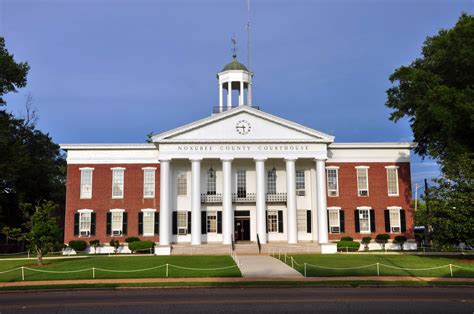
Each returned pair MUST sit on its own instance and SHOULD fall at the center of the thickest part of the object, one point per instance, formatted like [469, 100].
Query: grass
[121, 263]
[402, 261]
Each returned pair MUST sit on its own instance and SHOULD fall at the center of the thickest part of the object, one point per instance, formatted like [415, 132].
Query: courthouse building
[241, 175]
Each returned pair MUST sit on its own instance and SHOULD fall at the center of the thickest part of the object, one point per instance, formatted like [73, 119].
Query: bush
[132, 239]
[115, 244]
[94, 243]
[400, 240]
[366, 240]
[78, 245]
[140, 245]
[382, 238]
[347, 239]
[350, 246]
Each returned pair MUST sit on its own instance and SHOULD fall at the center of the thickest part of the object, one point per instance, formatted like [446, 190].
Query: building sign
[243, 148]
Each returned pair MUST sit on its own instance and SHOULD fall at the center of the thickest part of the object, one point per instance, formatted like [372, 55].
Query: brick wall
[378, 198]
[102, 201]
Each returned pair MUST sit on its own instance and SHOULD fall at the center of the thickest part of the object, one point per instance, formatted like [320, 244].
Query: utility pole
[428, 208]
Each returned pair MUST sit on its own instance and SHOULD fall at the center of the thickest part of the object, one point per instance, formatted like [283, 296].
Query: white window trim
[367, 177]
[186, 223]
[116, 210]
[123, 182]
[81, 196]
[211, 213]
[185, 173]
[337, 180]
[304, 179]
[395, 208]
[271, 212]
[338, 210]
[396, 182]
[154, 183]
[367, 208]
[148, 210]
[85, 211]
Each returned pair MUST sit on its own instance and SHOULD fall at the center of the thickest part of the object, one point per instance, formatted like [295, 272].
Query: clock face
[243, 127]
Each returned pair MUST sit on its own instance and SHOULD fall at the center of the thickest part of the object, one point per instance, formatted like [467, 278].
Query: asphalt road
[241, 300]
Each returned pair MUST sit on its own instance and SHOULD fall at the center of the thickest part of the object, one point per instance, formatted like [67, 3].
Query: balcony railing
[276, 198]
[243, 197]
[218, 109]
[211, 198]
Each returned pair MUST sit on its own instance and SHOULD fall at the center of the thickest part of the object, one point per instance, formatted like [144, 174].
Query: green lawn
[401, 261]
[122, 263]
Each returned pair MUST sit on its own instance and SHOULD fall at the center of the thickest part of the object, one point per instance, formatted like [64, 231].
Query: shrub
[347, 239]
[115, 244]
[400, 240]
[365, 241]
[132, 239]
[382, 239]
[140, 245]
[350, 246]
[78, 245]
[94, 243]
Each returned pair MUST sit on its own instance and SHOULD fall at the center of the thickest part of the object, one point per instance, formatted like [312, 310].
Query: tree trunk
[39, 256]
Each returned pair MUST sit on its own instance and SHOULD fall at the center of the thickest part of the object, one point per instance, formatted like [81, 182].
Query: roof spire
[234, 46]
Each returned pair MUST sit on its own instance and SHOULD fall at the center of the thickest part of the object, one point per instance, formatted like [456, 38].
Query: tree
[12, 74]
[44, 232]
[436, 93]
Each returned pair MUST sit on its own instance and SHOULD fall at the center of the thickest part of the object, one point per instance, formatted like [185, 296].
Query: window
[182, 222]
[300, 188]
[149, 182]
[182, 183]
[148, 223]
[86, 182]
[241, 183]
[392, 180]
[394, 220]
[117, 222]
[334, 221]
[364, 221]
[362, 181]
[84, 223]
[272, 221]
[333, 188]
[117, 182]
[211, 222]
[211, 182]
[271, 181]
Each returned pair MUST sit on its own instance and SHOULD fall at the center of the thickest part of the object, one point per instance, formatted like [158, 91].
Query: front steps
[245, 249]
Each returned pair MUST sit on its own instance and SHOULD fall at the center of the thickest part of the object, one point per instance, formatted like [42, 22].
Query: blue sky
[112, 71]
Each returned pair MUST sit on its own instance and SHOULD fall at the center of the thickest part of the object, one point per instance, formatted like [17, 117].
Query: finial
[234, 46]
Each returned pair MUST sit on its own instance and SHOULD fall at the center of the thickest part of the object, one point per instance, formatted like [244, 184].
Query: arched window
[211, 182]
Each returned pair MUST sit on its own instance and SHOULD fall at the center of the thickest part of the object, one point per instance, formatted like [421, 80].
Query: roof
[234, 65]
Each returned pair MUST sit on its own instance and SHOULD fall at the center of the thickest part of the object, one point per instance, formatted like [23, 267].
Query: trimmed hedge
[78, 245]
[350, 246]
[132, 239]
[140, 245]
[347, 239]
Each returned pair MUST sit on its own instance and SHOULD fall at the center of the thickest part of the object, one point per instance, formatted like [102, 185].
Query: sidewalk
[265, 266]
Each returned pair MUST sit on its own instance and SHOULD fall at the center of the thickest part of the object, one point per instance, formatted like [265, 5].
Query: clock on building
[243, 127]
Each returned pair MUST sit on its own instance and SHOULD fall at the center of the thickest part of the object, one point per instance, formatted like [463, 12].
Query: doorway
[242, 229]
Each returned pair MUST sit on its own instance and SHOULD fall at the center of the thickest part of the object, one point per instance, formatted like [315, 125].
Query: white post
[22, 273]
[165, 211]
[227, 214]
[195, 201]
[292, 230]
[261, 201]
[321, 200]
[249, 93]
[229, 95]
[221, 97]
[241, 93]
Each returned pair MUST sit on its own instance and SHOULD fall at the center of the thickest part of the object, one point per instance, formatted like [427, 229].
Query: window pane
[86, 183]
[394, 218]
[271, 182]
[364, 220]
[392, 181]
[241, 183]
[148, 223]
[149, 183]
[362, 185]
[211, 182]
[85, 221]
[182, 183]
[211, 222]
[117, 183]
[272, 221]
[332, 182]
[333, 218]
[117, 221]
[182, 219]
[300, 179]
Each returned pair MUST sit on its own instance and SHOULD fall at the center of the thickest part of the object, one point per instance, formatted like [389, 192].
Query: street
[247, 299]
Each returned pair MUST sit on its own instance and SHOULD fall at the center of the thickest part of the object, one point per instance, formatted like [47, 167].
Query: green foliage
[94, 243]
[350, 246]
[78, 245]
[11, 233]
[347, 239]
[115, 244]
[132, 239]
[13, 75]
[140, 245]
[44, 232]
[400, 240]
[366, 240]
[382, 238]
[436, 93]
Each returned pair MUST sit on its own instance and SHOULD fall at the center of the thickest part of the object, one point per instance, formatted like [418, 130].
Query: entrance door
[242, 229]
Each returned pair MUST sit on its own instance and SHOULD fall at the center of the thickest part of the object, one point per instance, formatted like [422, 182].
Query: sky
[111, 71]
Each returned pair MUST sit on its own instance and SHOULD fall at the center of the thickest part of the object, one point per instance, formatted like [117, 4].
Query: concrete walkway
[265, 266]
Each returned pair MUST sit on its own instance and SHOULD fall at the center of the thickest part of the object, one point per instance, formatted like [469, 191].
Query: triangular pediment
[243, 124]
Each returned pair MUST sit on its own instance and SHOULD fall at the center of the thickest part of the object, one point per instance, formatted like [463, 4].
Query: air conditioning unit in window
[182, 231]
[363, 193]
[335, 230]
[300, 192]
[117, 232]
[332, 193]
[395, 229]
[84, 233]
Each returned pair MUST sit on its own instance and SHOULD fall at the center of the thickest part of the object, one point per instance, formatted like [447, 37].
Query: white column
[321, 200]
[221, 98]
[292, 227]
[227, 213]
[261, 201]
[195, 201]
[229, 95]
[249, 94]
[165, 210]
[241, 93]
